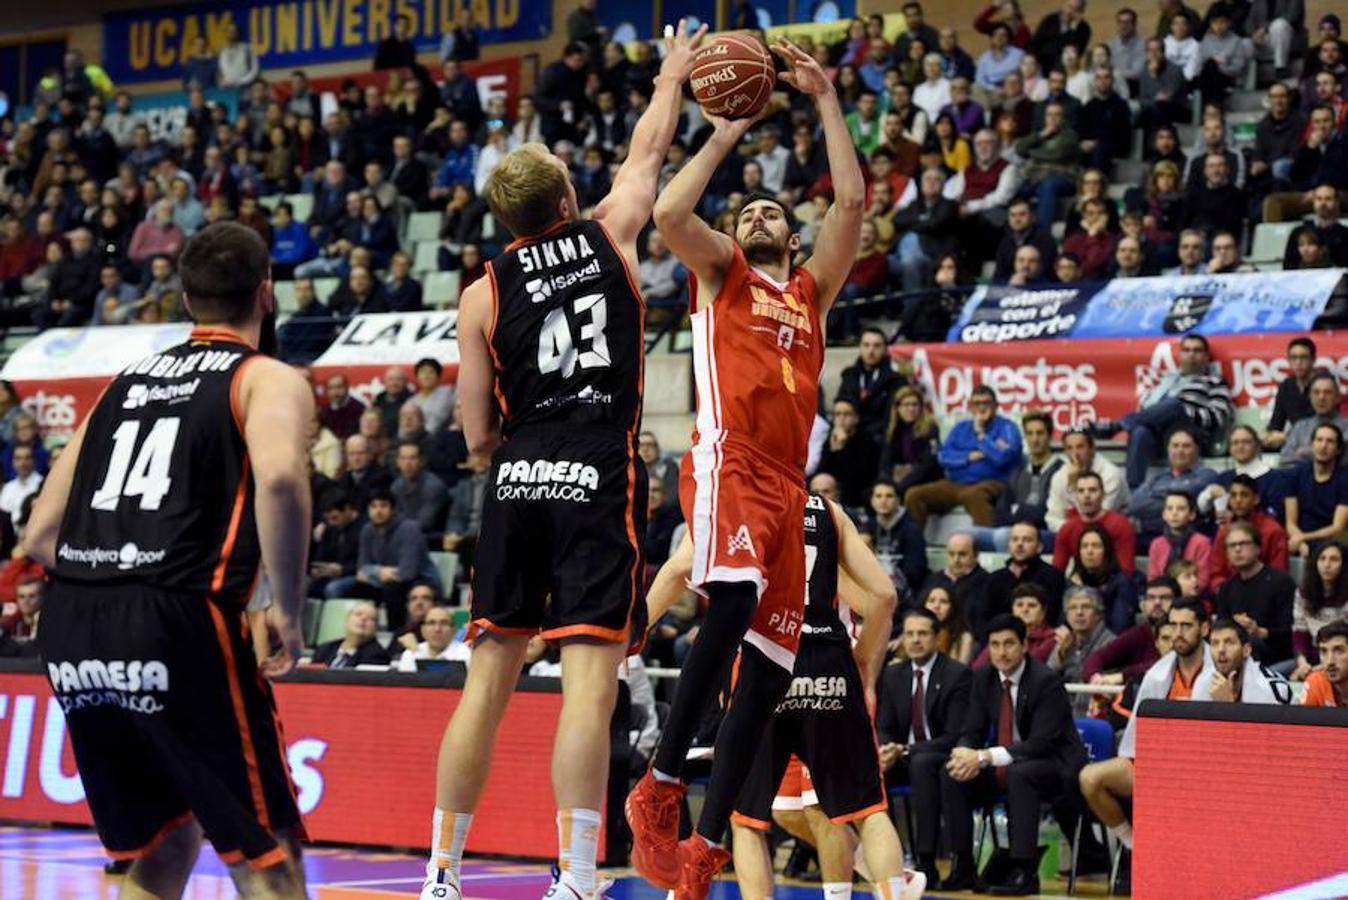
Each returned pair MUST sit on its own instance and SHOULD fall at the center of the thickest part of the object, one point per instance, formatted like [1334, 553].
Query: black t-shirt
[1319, 499]
[1267, 598]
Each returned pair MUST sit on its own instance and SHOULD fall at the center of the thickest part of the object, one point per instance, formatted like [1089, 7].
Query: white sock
[837, 890]
[578, 845]
[661, 776]
[449, 832]
[890, 888]
[1124, 833]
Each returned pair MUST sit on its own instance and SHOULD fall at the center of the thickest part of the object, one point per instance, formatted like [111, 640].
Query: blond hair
[524, 189]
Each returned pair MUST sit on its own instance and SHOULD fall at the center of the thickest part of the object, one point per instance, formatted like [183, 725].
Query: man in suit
[358, 646]
[913, 745]
[1034, 758]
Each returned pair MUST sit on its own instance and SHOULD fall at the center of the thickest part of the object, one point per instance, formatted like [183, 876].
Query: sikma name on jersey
[555, 252]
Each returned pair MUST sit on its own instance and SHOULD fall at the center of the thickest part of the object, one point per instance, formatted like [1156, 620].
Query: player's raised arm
[628, 205]
[477, 374]
[276, 402]
[865, 587]
[835, 246]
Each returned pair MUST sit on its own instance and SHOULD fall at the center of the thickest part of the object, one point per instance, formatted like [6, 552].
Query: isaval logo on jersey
[142, 395]
[541, 289]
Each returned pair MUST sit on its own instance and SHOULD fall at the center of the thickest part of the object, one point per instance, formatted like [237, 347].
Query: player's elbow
[884, 602]
[282, 480]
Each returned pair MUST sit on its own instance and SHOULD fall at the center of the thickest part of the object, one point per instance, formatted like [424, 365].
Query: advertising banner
[154, 44]
[998, 313]
[1082, 381]
[362, 758]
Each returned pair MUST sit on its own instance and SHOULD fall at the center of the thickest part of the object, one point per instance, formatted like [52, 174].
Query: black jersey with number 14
[567, 331]
[162, 492]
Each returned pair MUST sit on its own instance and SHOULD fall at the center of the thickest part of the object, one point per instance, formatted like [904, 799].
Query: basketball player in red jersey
[758, 338]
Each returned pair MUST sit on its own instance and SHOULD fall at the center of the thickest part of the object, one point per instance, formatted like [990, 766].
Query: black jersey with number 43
[824, 619]
[567, 330]
[162, 492]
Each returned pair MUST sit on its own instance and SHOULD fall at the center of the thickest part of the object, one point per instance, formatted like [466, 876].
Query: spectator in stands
[114, 295]
[1059, 30]
[1212, 138]
[25, 482]
[336, 548]
[1325, 223]
[390, 400]
[1192, 397]
[1029, 267]
[909, 453]
[1311, 251]
[1162, 92]
[464, 522]
[1223, 55]
[979, 456]
[933, 94]
[1129, 261]
[331, 197]
[1126, 658]
[1235, 676]
[1084, 633]
[1093, 247]
[663, 278]
[662, 520]
[863, 122]
[869, 383]
[392, 556]
[965, 580]
[983, 191]
[659, 467]
[1318, 506]
[74, 285]
[930, 229]
[1179, 539]
[1021, 230]
[420, 598]
[1024, 565]
[1276, 139]
[363, 474]
[291, 242]
[1182, 474]
[1226, 256]
[1243, 505]
[1026, 497]
[307, 333]
[396, 50]
[896, 539]
[409, 174]
[1097, 564]
[157, 235]
[918, 720]
[372, 429]
[953, 636]
[435, 399]
[1181, 48]
[956, 61]
[1128, 48]
[437, 633]
[850, 454]
[1329, 686]
[1273, 26]
[1011, 101]
[1105, 123]
[341, 413]
[410, 426]
[1323, 394]
[464, 41]
[1051, 170]
[402, 290]
[1015, 695]
[357, 646]
[22, 623]
[238, 63]
[1258, 596]
[419, 494]
[1216, 205]
[1079, 450]
[560, 95]
[359, 293]
[1322, 158]
[201, 69]
[996, 63]
[967, 114]
[1321, 601]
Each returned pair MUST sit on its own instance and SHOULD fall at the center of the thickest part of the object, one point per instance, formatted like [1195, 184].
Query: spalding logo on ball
[733, 77]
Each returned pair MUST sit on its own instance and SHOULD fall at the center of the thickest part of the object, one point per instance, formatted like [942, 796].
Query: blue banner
[1003, 312]
[1252, 303]
[154, 44]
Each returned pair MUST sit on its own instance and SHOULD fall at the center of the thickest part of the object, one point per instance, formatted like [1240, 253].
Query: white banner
[89, 352]
[383, 339]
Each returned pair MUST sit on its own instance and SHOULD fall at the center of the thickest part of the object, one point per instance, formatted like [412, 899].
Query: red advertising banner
[362, 758]
[1078, 381]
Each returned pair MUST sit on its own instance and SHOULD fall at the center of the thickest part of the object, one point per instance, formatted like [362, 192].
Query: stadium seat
[1270, 240]
[269, 201]
[488, 227]
[427, 257]
[1098, 736]
[441, 289]
[332, 620]
[448, 566]
[423, 226]
[993, 561]
[302, 204]
[309, 617]
[284, 292]
[323, 287]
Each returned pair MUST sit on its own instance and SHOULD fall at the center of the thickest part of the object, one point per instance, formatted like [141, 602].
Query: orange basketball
[733, 76]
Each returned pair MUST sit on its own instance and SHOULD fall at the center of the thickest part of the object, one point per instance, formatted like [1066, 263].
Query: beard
[764, 252]
[266, 338]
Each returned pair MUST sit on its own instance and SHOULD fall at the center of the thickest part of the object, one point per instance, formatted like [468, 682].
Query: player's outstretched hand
[805, 74]
[287, 655]
[734, 129]
[680, 48]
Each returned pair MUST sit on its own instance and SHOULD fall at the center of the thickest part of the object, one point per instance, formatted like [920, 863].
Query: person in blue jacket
[979, 457]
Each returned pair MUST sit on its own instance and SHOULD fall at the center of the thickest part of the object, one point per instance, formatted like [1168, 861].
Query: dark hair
[1313, 587]
[1302, 341]
[1195, 336]
[1193, 605]
[1222, 623]
[1037, 415]
[1089, 474]
[1007, 622]
[383, 494]
[1165, 581]
[1111, 559]
[921, 612]
[1246, 482]
[1247, 529]
[1181, 429]
[1188, 498]
[573, 48]
[429, 361]
[1322, 375]
[1001, 26]
[1338, 434]
[983, 390]
[290, 210]
[1030, 589]
[222, 267]
[409, 442]
[336, 499]
[1323, 636]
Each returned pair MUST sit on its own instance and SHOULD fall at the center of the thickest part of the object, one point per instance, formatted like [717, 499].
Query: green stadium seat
[302, 205]
[332, 620]
[488, 227]
[459, 618]
[284, 291]
[427, 257]
[441, 289]
[423, 226]
[1270, 240]
[323, 287]
[270, 201]
[448, 566]
[309, 617]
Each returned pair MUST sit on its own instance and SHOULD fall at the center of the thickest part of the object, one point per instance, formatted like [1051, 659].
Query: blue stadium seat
[1098, 736]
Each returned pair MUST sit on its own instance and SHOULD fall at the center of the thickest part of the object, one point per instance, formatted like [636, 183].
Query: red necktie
[919, 708]
[1005, 727]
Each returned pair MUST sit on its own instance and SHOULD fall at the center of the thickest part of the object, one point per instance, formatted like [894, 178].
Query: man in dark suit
[1034, 757]
[1025, 565]
[358, 646]
[914, 747]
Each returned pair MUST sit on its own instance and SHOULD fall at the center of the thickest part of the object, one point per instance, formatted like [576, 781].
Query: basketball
[733, 77]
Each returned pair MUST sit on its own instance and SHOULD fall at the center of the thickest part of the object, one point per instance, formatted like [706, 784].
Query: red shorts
[797, 788]
[746, 517]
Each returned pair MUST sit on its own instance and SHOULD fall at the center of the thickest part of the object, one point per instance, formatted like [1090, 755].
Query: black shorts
[560, 550]
[169, 718]
[823, 720]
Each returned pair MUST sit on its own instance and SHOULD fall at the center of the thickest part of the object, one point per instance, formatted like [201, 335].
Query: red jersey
[758, 349]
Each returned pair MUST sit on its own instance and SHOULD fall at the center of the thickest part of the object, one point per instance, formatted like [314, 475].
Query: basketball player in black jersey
[550, 382]
[189, 473]
[826, 717]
